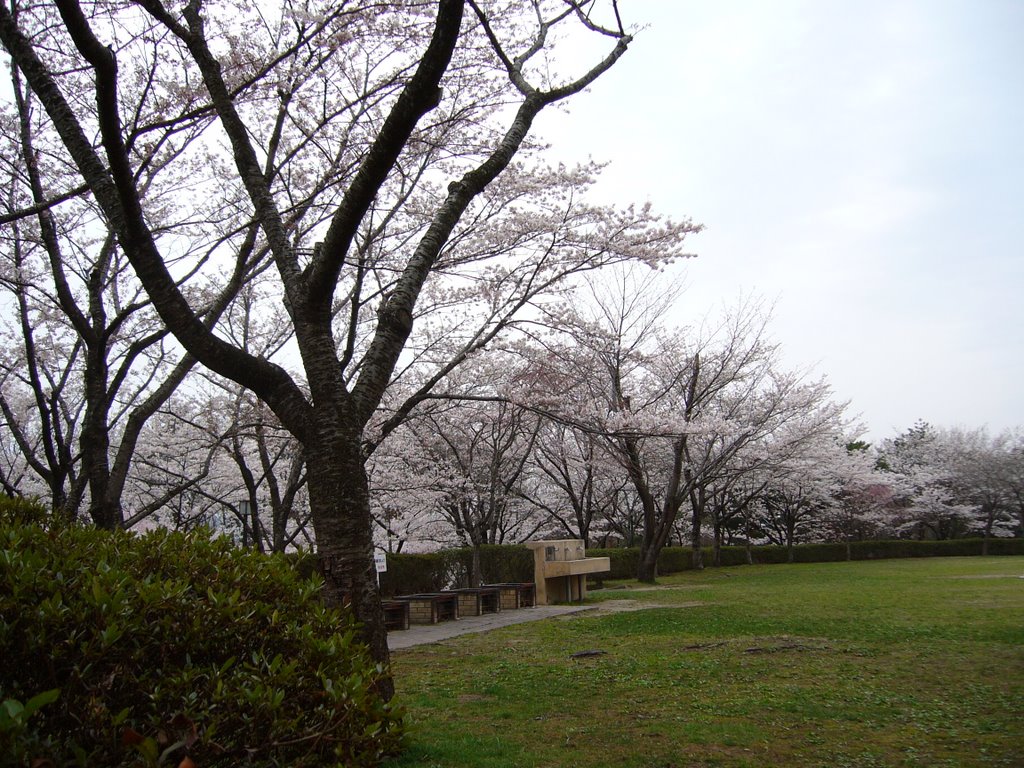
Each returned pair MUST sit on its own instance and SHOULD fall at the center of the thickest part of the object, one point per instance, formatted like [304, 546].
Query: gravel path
[421, 634]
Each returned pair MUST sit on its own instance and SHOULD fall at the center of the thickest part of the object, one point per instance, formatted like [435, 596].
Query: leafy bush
[22, 511]
[166, 645]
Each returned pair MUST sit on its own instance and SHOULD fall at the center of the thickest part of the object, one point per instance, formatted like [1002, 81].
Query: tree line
[602, 423]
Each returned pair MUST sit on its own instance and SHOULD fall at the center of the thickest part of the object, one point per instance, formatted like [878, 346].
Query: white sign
[380, 560]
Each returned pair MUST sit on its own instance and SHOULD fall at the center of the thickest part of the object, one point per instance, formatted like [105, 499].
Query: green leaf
[13, 709]
[121, 716]
[110, 635]
[41, 700]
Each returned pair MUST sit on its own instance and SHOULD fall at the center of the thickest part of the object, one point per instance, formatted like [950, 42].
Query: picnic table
[431, 607]
[396, 614]
[517, 594]
[476, 601]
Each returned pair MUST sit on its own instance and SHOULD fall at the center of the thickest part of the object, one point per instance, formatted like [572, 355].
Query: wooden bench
[517, 595]
[431, 607]
[476, 601]
[396, 614]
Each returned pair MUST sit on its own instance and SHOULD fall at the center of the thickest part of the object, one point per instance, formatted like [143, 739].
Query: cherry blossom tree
[272, 509]
[734, 510]
[980, 466]
[866, 496]
[93, 354]
[928, 506]
[481, 452]
[367, 149]
[174, 465]
[1013, 477]
[801, 498]
[15, 474]
[675, 408]
[42, 409]
[407, 496]
[576, 484]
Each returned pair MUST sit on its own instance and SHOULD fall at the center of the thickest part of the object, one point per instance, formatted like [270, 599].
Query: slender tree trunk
[647, 567]
[990, 519]
[716, 555]
[657, 529]
[747, 534]
[475, 576]
[656, 526]
[255, 524]
[695, 538]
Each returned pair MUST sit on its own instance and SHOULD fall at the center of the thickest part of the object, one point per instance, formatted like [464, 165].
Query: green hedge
[501, 564]
[409, 574]
[139, 650]
[674, 559]
[413, 574]
[436, 571]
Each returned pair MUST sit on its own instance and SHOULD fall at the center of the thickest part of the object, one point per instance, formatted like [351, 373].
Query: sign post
[380, 562]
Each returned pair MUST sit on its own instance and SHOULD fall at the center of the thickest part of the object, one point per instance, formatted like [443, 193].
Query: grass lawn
[887, 663]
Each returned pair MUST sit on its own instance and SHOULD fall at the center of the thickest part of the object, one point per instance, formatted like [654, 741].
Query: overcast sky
[860, 164]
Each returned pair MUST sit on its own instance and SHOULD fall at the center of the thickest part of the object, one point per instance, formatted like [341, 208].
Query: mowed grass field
[886, 663]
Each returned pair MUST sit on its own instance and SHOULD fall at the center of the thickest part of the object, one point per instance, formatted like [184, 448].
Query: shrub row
[446, 569]
[125, 650]
[674, 559]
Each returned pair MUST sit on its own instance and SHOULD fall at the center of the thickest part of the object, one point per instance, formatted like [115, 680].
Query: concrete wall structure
[560, 568]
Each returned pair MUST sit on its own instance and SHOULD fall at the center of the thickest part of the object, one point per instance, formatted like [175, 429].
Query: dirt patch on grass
[469, 698]
[990, 576]
[626, 605]
[650, 588]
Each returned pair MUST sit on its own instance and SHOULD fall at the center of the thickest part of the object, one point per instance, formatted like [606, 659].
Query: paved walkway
[421, 634]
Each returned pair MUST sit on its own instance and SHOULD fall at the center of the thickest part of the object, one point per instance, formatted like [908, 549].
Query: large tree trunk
[647, 568]
[475, 567]
[104, 506]
[95, 443]
[340, 504]
[653, 539]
